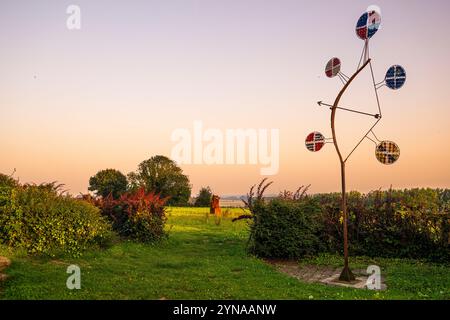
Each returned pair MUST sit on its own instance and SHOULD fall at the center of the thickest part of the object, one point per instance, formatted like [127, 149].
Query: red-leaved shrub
[136, 215]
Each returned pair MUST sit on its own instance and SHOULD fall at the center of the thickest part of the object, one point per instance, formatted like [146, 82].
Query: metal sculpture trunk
[346, 274]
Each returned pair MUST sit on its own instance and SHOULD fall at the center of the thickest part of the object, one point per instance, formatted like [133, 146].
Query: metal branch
[367, 50]
[375, 88]
[342, 79]
[362, 139]
[376, 116]
[367, 137]
[344, 75]
[380, 86]
[375, 136]
[362, 55]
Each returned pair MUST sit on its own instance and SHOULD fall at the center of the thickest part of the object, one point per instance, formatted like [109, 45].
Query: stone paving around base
[322, 274]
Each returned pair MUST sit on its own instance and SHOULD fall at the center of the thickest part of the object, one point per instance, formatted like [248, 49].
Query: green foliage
[411, 224]
[395, 223]
[284, 228]
[109, 181]
[41, 220]
[6, 184]
[204, 197]
[161, 175]
[137, 215]
[7, 181]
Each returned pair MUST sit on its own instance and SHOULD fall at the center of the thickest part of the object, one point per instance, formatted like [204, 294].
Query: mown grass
[202, 260]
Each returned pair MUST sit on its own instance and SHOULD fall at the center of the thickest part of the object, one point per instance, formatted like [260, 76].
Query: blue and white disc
[395, 77]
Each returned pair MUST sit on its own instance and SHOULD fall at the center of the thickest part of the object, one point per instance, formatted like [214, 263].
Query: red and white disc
[333, 67]
[315, 141]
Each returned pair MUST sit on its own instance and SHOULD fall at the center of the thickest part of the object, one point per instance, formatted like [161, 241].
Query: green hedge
[410, 223]
[41, 220]
[285, 229]
[395, 223]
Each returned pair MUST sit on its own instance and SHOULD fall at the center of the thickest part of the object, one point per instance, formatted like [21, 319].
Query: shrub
[137, 215]
[6, 184]
[108, 182]
[285, 229]
[7, 181]
[41, 220]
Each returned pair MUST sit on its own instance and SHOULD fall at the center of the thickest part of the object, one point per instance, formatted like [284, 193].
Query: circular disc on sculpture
[333, 67]
[387, 152]
[315, 141]
[395, 77]
[368, 24]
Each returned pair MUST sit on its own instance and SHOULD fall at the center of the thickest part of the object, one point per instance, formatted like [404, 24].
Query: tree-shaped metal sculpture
[387, 152]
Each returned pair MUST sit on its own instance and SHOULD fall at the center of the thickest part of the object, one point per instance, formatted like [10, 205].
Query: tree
[162, 175]
[109, 181]
[204, 197]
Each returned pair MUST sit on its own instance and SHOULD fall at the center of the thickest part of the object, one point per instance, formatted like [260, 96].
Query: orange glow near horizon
[110, 95]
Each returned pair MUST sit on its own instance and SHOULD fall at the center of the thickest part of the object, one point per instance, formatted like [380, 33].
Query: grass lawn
[202, 260]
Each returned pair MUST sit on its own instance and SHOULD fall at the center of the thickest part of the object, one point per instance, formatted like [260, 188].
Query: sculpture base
[347, 275]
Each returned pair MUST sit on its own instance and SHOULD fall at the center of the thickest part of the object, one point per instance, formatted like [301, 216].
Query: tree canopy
[162, 175]
[204, 197]
[108, 181]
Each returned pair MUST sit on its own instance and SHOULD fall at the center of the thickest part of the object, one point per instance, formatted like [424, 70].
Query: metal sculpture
[386, 152]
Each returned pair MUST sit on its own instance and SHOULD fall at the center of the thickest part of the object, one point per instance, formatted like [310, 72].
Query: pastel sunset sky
[110, 95]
